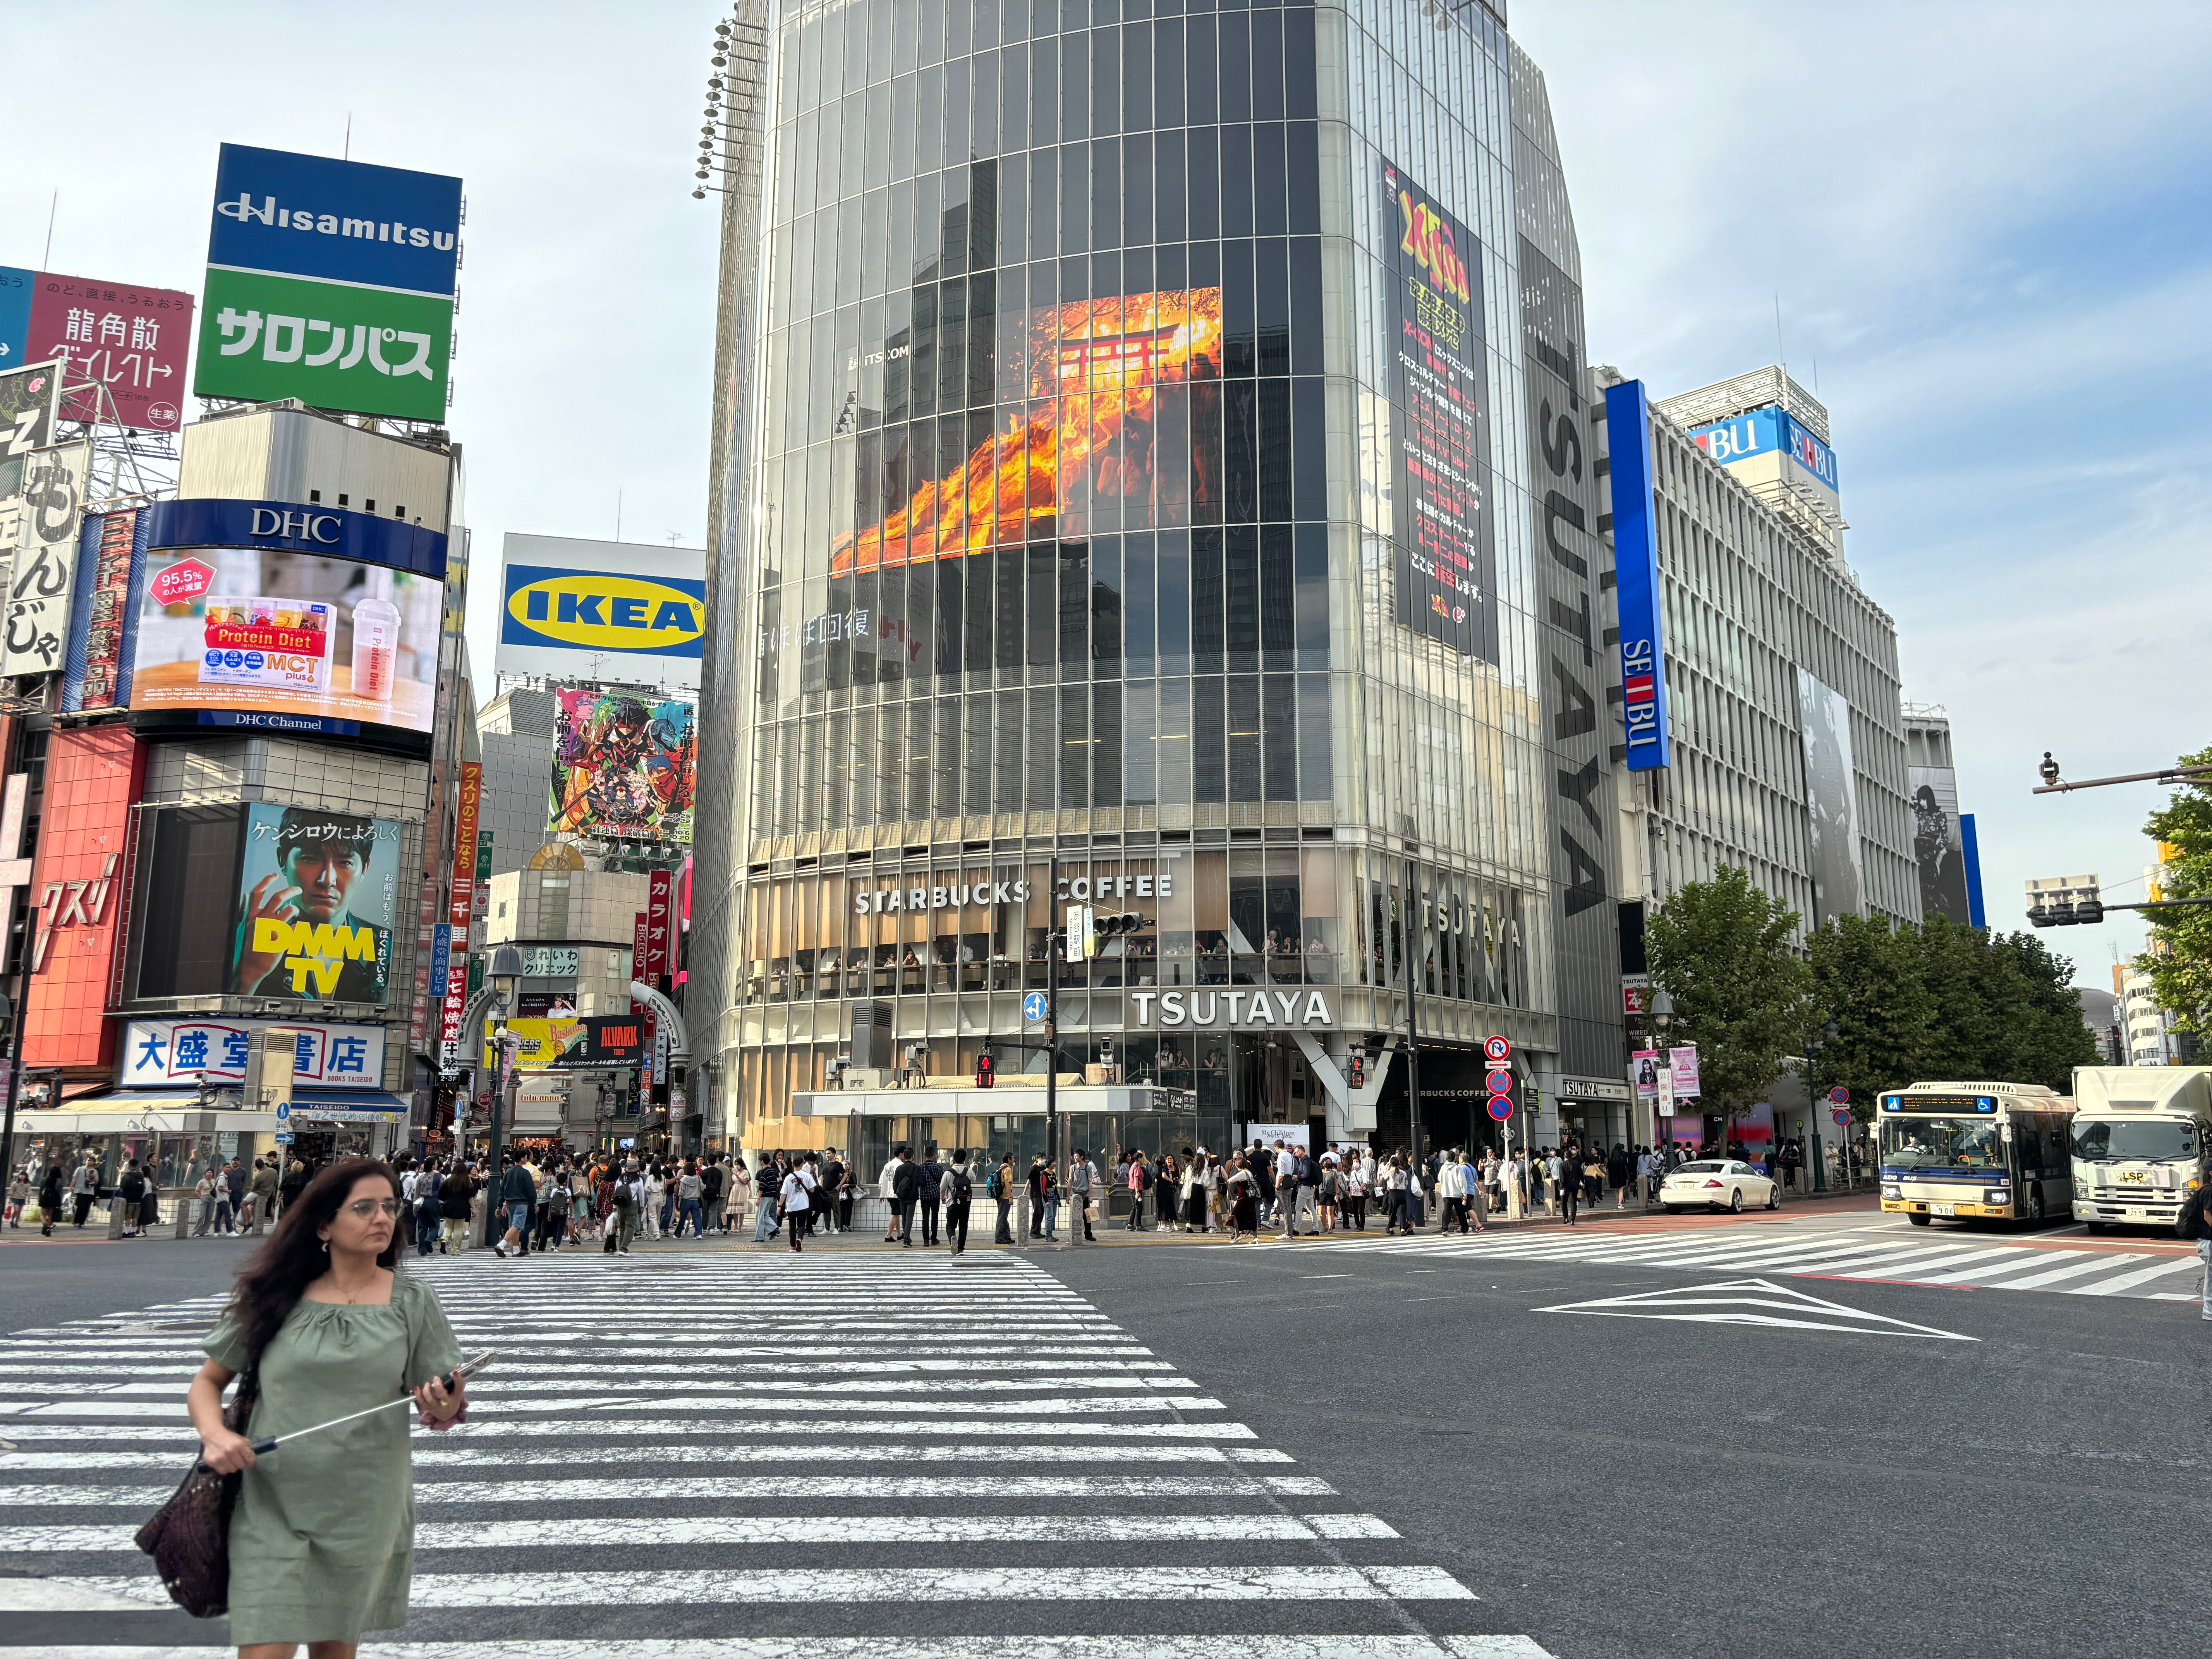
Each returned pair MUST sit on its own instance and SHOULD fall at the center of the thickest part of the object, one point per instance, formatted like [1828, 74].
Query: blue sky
[1986, 224]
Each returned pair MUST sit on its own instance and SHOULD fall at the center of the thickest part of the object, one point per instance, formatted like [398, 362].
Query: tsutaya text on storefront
[1013, 891]
[1310, 1008]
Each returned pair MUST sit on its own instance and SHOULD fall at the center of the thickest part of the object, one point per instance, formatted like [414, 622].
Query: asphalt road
[1638, 1486]
[1846, 1467]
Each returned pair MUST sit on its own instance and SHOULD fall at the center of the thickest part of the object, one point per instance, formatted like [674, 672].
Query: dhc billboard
[1768, 431]
[1636, 563]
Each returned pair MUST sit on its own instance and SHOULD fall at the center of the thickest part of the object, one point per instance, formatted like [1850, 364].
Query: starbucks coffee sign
[1309, 1008]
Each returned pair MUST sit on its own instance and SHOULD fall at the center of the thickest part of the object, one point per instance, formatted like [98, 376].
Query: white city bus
[1975, 1151]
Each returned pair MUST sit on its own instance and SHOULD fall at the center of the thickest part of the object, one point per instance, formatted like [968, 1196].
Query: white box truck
[2141, 1137]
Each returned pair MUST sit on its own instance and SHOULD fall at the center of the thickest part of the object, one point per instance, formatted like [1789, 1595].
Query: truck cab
[2140, 1138]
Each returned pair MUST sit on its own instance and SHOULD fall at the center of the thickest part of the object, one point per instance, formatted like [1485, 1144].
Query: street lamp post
[505, 976]
[1814, 1047]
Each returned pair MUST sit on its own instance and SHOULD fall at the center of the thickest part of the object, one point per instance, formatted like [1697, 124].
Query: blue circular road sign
[1500, 1108]
[283, 1110]
[1033, 1005]
[1501, 1083]
[1839, 1095]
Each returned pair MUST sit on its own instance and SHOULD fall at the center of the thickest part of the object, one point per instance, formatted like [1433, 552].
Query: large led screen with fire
[1115, 388]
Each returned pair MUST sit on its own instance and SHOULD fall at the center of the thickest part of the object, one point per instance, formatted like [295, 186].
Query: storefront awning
[180, 1111]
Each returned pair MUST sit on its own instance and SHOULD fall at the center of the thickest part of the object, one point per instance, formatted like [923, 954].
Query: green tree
[1723, 950]
[2000, 1006]
[2179, 960]
[1867, 980]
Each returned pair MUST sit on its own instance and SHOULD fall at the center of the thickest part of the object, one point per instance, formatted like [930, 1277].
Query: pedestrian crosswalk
[739, 1457]
[1828, 1247]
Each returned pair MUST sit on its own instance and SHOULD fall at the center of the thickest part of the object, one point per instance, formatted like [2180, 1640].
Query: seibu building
[1154, 471]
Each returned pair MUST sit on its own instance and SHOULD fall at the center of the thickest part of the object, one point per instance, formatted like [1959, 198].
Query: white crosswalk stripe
[871, 1434]
[1823, 1248]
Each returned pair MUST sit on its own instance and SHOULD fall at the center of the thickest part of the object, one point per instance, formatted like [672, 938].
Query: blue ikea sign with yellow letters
[571, 609]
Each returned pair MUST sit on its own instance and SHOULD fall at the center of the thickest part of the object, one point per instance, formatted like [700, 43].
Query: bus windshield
[2149, 1140]
[1930, 1143]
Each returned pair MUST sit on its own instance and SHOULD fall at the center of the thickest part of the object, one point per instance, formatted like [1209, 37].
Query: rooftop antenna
[52, 208]
[618, 496]
[347, 154]
[1780, 355]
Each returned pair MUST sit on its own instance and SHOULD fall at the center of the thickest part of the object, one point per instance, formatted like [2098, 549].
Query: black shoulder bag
[189, 1536]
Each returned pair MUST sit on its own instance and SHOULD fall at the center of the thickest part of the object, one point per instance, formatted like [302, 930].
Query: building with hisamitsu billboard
[245, 825]
[1126, 495]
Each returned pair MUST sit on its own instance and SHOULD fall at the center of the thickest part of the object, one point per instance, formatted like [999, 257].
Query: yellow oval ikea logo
[590, 611]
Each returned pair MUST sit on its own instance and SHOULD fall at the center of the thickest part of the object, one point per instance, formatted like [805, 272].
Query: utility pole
[15, 1040]
[1055, 940]
[1413, 1028]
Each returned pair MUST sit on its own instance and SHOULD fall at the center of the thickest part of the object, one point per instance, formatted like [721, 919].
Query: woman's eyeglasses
[367, 1207]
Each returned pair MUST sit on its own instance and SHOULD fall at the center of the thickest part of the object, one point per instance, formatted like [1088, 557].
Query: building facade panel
[1058, 526]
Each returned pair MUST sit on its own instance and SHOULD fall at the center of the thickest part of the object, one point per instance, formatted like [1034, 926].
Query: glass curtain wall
[1075, 526]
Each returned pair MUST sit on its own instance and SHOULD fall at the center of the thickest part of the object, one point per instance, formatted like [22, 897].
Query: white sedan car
[1720, 1184]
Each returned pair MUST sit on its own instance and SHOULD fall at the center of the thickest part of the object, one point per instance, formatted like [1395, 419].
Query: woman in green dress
[322, 1540]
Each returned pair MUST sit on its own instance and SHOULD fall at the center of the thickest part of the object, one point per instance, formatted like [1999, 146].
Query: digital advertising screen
[325, 627]
[622, 765]
[1099, 427]
[1447, 562]
[318, 898]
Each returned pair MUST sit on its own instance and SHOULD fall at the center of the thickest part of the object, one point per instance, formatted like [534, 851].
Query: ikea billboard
[594, 610]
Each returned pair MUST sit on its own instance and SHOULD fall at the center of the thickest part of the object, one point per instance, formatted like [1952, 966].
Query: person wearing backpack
[2194, 1224]
[956, 1191]
[1140, 1180]
[427, 1214]
[1082, 1178]
[905, 1186]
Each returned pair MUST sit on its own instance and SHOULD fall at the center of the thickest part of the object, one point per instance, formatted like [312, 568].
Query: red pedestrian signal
[986, 1070]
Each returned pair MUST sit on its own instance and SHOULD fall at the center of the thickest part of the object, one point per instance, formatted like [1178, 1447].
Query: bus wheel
[1917, 1217]
[2035, 1207]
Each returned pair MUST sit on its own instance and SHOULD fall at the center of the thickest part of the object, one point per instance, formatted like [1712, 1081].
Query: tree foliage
[2179, 960]
[1721, 949]
[1940, 1000]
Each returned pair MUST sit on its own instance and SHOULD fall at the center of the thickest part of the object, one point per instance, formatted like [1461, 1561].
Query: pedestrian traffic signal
[1358, 1067]
[987, 1070]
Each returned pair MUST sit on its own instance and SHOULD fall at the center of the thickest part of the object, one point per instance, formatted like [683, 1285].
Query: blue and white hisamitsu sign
[1768, 431]
[341, 222]
[164, 1053]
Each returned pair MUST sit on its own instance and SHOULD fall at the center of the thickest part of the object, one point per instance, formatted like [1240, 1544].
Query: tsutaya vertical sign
[1447, 565]
[330, 282]
[1636, 558]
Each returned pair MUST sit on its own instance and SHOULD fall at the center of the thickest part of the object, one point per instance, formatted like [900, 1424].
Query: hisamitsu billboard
[330, 282]
[336, 221]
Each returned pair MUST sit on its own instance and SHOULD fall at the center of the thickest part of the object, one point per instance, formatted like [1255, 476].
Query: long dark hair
[270, 1285]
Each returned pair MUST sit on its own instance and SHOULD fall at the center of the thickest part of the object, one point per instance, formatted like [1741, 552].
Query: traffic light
[987, 1070]
[1089, 928]
[1358, 1067]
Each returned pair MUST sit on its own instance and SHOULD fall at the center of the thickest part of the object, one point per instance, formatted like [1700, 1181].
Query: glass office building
[1126, 492]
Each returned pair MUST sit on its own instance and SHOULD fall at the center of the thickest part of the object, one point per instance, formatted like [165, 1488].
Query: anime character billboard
[622, 766]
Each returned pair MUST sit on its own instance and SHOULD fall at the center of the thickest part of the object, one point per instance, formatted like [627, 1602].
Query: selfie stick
[269, 1443]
